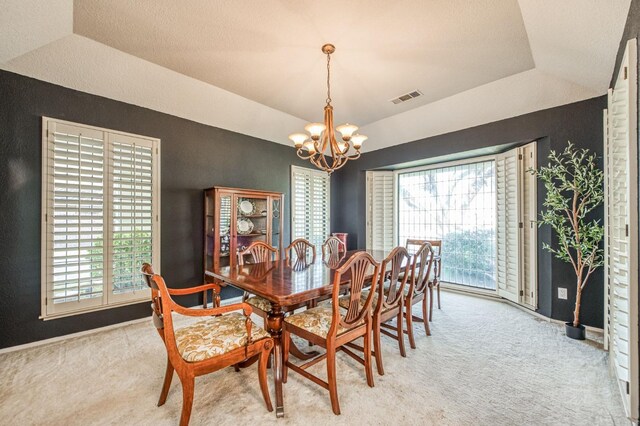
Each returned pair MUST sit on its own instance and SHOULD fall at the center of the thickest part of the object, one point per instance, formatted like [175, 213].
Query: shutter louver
[310, 204]
[507, 238]
[621, 240]
[75, 225]
[380, 205]
[131, 212]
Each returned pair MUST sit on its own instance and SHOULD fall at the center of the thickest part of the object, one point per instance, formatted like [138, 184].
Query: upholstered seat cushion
[215, 336]
[260, 303]
[316, 320]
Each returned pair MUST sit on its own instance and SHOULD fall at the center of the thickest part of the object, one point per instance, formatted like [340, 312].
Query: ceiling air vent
[407, 97]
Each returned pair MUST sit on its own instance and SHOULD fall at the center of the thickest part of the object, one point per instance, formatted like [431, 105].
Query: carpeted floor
[486, 363]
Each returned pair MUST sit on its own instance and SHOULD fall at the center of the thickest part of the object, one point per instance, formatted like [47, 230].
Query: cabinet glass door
[276, 211]
[224, 254]
[251, 223]
[209, 231]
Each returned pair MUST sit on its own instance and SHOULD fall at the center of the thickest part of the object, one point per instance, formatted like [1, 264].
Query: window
[483, 210]
[310, 205]
[456, 205]
[100, 205]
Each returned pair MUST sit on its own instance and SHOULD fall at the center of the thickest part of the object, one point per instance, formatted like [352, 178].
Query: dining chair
[300, 248]
[393, 278]
[417, 291]
[332, 327]
[434, 279]
[333, 246]
[390, 301]
[226, 337]
[260, 252]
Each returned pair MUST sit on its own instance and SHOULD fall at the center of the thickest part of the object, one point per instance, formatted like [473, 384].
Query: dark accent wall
[193, 156]
[579, 122]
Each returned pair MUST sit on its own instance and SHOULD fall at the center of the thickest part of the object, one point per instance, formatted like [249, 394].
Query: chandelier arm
[304, 157]
[354, 156]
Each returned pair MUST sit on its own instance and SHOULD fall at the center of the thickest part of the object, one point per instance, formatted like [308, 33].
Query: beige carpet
[486, 363]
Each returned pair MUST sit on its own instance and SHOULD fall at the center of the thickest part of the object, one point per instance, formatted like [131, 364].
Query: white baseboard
[224, 302]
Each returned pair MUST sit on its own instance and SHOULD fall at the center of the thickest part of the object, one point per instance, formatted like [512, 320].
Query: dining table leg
[274, 325]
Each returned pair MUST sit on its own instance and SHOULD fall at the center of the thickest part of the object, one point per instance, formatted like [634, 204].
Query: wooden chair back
[156, 304]
[300, 248]
[333, 245]
[414, 245]
[260, 252]
[333, 260]
[421, 269]
[395, 269]
[356, 270]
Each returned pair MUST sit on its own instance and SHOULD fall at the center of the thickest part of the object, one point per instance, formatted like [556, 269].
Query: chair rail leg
[168, 375]
[188, 383]
[333, 380]
[262, 373]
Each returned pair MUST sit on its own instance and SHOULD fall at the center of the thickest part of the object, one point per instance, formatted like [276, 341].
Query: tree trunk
[576, 313]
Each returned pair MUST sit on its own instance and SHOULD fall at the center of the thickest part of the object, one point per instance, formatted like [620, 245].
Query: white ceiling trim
[82, 64]
[512, 96]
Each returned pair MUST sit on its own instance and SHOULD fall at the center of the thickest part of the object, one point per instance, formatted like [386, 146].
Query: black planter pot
[575, 332]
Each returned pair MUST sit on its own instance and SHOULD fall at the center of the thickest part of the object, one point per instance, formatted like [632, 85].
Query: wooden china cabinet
[234, 218]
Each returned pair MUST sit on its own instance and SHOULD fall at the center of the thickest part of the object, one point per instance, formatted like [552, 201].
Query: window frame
[293, 201]
[108, 194]
[452, 163]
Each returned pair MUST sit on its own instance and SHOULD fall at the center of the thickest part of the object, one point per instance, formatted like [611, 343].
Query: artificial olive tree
[574, 189]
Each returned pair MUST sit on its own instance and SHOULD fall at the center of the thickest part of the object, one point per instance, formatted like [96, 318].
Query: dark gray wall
[194, 156]
[580, 123]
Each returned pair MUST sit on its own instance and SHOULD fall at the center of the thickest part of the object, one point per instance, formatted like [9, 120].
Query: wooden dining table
[288, 285]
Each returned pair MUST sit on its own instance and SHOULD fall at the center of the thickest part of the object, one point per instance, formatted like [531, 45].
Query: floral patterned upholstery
[260, 303]
[316, 320]
[215, 336]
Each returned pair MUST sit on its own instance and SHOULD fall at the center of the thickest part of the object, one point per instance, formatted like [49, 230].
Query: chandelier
[321, 142]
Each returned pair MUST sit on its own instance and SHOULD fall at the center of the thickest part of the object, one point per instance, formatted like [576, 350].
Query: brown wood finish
[163, 306]
[287, 287]
[353, 323]
[300, 247]
[260, 252]
[418, 285]
[269, 223]
[391, 301]
[333, 246]
[434, 280]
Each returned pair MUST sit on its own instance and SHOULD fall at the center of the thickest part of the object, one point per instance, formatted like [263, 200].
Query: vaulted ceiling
[255, 67]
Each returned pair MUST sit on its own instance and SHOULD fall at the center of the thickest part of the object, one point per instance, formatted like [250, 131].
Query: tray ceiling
[255, 67]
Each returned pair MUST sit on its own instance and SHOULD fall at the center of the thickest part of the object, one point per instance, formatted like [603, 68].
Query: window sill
[94, 309]
[473, 290]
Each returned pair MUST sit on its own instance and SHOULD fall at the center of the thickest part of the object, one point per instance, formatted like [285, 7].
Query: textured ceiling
[269, 50]
[255, 67]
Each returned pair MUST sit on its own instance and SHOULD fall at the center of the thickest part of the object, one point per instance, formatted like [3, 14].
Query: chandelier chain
[328, 79]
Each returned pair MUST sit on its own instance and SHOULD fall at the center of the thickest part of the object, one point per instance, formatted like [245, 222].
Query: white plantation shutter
[75, 203]
[132, 213]
[529, 235]
[100, 192]
[508, 232]
[380, 197]
[621, 239]
[310, 205]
